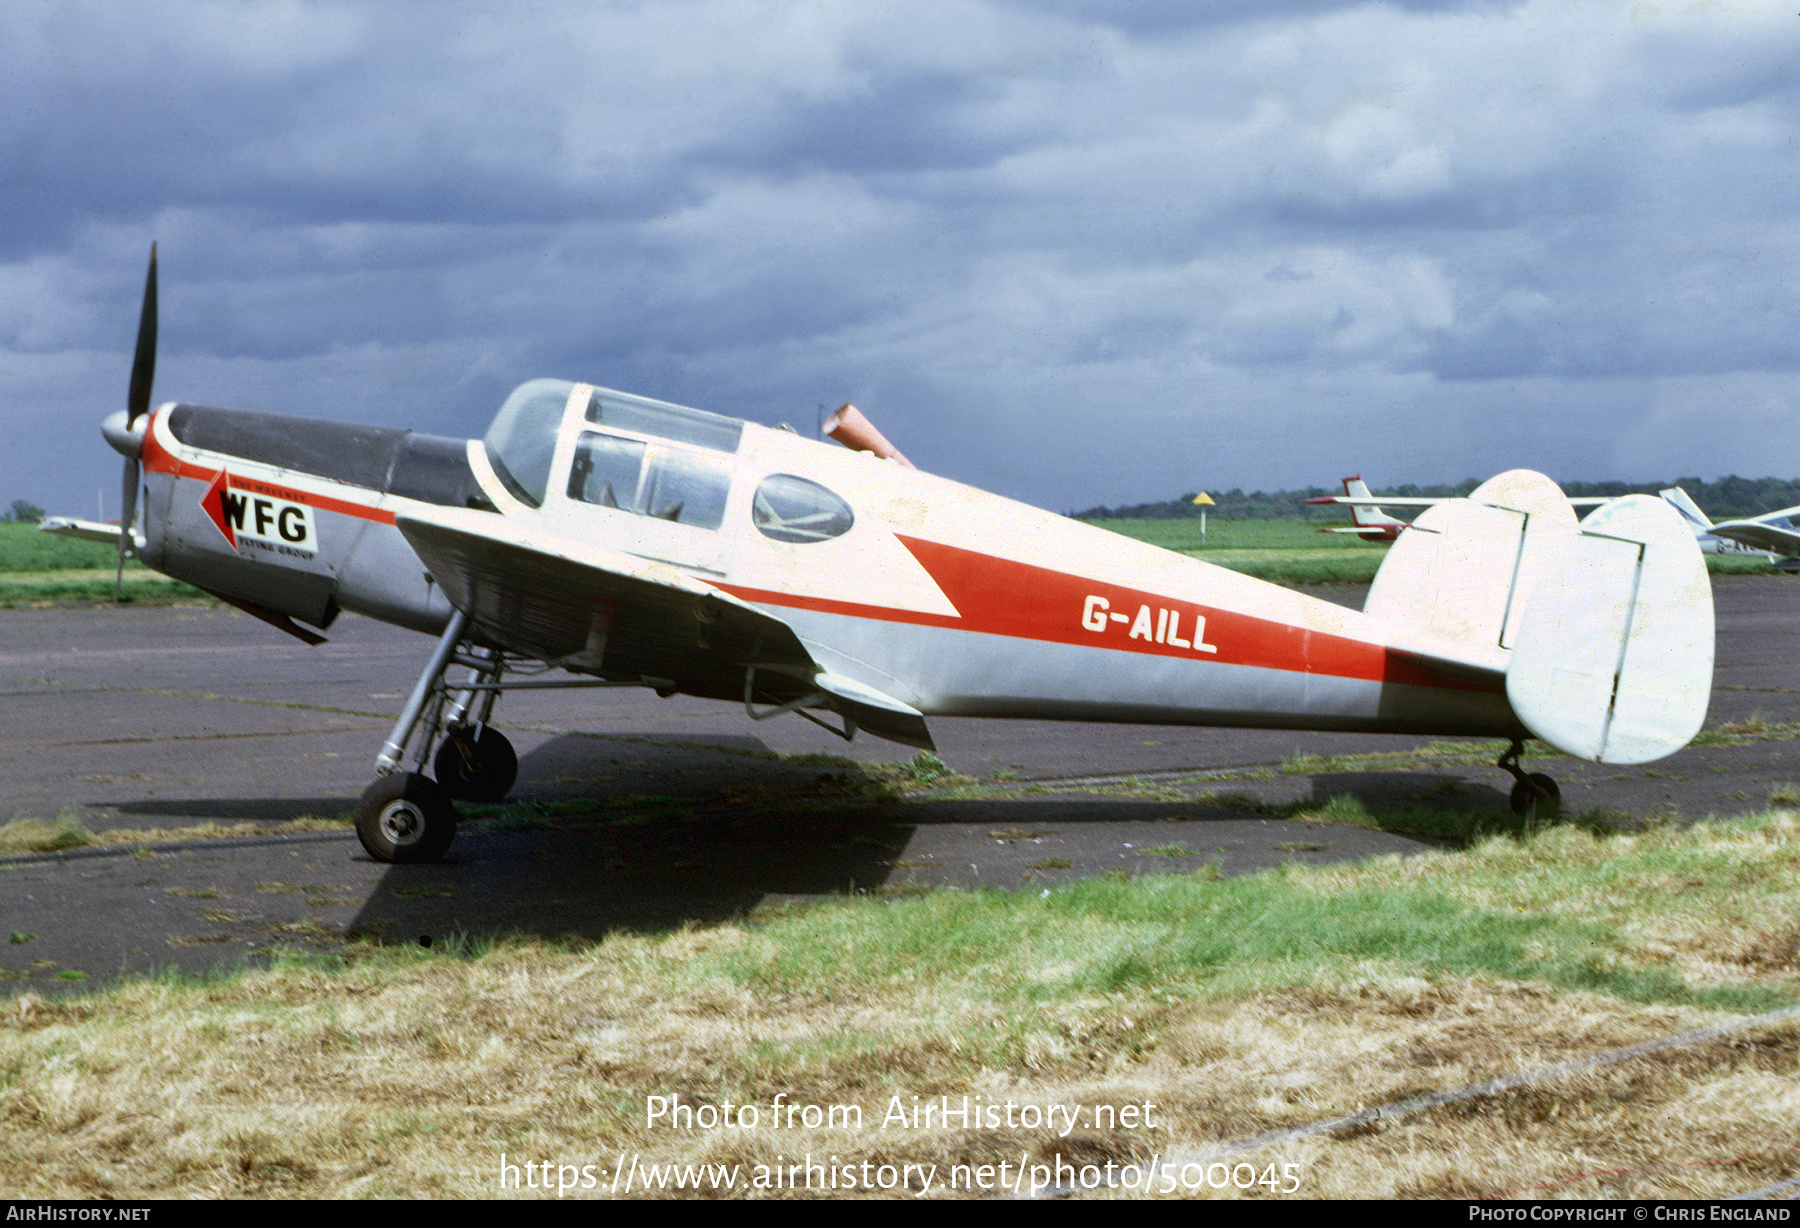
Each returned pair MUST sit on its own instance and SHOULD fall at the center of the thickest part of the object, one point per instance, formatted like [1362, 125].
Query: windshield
[522, 438]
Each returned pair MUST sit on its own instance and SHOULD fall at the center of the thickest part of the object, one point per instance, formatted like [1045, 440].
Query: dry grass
[68, 831]
[412, 1073]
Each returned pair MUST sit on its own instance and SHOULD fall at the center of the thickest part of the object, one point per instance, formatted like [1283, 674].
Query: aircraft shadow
[237, 809]
[647, 832]
[1383, 793]
[682, 851]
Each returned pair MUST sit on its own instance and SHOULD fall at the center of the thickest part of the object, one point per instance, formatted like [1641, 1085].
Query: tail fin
[1367, 520]
[1602, 630]
[1678, 499]
[1366, 515]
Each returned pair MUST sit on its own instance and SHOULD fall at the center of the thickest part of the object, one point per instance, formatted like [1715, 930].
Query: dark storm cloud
[1082, 252]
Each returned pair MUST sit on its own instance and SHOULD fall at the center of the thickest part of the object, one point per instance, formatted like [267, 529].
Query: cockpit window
[607, 471]
[683, 485]
[791, 509]
[672, 422]
[522, 438]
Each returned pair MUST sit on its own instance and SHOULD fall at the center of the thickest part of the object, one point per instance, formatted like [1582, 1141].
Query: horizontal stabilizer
[1759, 535]
[1614, 657]
[879, 713]
[1602, 629]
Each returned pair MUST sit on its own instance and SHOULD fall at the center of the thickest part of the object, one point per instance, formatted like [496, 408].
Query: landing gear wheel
[476, 767]
[405, 817]
[1536, 796]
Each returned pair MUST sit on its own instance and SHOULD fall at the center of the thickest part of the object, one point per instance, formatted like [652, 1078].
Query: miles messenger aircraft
[631, 542]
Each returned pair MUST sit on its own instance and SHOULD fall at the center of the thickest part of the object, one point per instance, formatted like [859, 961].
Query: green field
[1236, 1005]
[43, 568]
[1296, 552]
[1283, 551]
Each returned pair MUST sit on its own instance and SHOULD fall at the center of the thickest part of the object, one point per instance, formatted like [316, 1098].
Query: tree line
[1729, 498]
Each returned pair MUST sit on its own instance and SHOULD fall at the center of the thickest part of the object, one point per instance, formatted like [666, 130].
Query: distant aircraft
[1372, 524]
[1775, 537]
[643, 544]
[88, 530]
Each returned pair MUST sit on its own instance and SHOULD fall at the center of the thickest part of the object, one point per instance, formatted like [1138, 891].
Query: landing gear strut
[406, 816]
[1534, 795]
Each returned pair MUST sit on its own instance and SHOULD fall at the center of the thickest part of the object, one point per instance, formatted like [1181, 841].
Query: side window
[606, 471]
[674, 484]
[686, 487]
[791, 509]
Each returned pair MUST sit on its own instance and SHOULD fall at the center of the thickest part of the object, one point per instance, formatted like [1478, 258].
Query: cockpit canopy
[651, 458]
[521, 446]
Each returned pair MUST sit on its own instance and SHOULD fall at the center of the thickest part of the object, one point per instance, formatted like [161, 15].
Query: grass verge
[1231, 1007]
[68, 831]
[1297, 552]
[27, 589]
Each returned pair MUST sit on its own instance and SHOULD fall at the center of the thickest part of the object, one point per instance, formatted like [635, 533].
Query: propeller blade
[137, 404]
[143, 366]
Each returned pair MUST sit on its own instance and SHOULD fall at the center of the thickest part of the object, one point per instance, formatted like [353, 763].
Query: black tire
[405, 818]
[1536, 796]
[475, 767]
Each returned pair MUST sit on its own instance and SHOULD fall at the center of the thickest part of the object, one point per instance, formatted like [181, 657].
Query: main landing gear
[406, 816]
[1534, 795]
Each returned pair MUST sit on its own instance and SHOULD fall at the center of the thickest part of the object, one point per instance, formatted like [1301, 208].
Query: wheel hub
[402, 823]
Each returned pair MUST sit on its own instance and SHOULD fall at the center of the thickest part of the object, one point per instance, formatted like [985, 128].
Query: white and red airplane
[1370, 522]
[631, 542]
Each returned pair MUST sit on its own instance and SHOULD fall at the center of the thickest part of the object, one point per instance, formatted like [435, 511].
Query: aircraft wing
[1393, 501]
[87, 530]
[1759, 535]
[595, 610]
[1376, 501]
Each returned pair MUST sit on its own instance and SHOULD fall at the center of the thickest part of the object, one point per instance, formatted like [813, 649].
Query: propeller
[137, 404]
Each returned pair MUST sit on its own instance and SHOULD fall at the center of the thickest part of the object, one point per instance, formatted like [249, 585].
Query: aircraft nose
[127, 441]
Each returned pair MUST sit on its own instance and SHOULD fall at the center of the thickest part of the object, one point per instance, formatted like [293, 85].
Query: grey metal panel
[193, 549]
[342, 451]
[384, 578]
[435, 469]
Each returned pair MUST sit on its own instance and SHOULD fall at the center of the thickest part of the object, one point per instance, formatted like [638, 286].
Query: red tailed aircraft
[1369, 522]
[631, 542]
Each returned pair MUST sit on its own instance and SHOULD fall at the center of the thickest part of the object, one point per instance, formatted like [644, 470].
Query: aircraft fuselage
[945, 598]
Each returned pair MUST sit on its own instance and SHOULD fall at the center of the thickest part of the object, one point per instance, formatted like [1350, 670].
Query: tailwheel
[405, 817]
[1536, 797]
[475, 763]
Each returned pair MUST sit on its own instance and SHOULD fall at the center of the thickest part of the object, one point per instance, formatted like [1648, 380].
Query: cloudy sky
[1073, 252]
